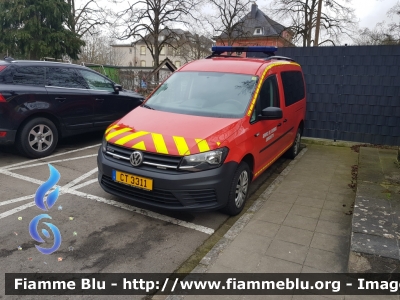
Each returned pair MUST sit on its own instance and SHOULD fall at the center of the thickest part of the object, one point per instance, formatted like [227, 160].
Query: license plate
[133, 180]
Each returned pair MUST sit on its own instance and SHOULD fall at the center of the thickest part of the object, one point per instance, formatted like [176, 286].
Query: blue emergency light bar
[222, 49]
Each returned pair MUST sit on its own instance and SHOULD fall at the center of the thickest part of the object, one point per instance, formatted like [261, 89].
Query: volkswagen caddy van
[202, 137]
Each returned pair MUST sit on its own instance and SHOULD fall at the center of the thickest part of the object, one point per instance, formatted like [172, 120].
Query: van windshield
[210, 94]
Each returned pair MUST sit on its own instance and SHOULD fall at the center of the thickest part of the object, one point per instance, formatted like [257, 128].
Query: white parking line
[50, 162]
[51, 156]
[144, 212]
[79, 179]
[24, 198]
[73, 191]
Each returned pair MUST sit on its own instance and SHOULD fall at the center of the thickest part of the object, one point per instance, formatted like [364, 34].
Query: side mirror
[271, 113]
[117, 88]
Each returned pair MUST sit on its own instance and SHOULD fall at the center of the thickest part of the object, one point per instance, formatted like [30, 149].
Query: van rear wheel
[295, 149]
[239, 190]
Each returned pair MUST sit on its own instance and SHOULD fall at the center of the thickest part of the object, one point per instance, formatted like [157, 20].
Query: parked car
[41, 102]
[206, 133]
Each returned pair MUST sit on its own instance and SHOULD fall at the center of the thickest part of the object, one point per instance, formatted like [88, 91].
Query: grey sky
[369, 12]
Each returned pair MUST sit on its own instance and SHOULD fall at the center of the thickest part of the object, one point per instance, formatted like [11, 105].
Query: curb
[326, 142]
[208, 260]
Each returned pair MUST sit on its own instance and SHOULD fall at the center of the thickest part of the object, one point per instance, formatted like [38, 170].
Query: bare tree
[87, 18]
[193, 45]
[227, 21]
[148, 21]
[383, 33]
[98, 50]
[334, 18]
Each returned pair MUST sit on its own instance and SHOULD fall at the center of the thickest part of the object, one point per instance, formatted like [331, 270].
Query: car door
[27, 90]
[70, 96]
[267, 133]
[294, 92]
[109, 104]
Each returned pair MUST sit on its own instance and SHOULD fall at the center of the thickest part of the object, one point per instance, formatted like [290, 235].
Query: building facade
[257, 29]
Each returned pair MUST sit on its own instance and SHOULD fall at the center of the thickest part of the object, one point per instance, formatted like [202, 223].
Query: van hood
[170, 133]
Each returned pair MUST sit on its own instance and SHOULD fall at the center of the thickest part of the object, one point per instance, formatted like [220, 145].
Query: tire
[295, 148]
[38, 128]
[239, 190]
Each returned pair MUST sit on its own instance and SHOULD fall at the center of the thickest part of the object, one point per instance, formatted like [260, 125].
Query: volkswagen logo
[136, 158]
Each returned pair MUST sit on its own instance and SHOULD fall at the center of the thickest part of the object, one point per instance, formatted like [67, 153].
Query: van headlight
[104, 145]
[204, 161]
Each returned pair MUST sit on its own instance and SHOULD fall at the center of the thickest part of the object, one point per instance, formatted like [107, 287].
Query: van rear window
[293, 86]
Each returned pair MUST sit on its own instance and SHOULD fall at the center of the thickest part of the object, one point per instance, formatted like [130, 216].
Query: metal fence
[353, 93]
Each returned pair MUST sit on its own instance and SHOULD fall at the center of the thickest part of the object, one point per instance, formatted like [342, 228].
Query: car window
[96, 81]
[293, 86]
[64, 77]
[212, 94]
[268, 96]
[29, 76]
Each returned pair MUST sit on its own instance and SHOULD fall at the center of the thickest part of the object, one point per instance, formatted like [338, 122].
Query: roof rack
[280, 58]
[218, 50]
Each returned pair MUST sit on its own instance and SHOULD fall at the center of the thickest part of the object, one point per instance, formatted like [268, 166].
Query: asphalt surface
[100, 232]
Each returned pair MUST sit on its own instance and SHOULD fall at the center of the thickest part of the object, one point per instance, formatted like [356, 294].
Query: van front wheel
[239, 190]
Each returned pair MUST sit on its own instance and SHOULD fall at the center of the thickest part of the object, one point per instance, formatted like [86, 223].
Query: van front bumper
[189, 191]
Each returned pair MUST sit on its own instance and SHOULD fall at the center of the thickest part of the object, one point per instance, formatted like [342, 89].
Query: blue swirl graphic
[50, 201]
[45, 187]
[35, 234]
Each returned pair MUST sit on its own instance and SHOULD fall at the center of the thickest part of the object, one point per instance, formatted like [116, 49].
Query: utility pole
[318, 23]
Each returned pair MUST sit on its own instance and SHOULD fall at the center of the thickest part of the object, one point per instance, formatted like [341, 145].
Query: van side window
[268, 96]
[293, 86]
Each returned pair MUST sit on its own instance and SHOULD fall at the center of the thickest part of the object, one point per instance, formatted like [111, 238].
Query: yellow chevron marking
[140, 146]
[159, 143]
[130, 137]
[181, 145]
[115, 133]
[218, 143]
[111, 127]
[203, 145]
[253, 101]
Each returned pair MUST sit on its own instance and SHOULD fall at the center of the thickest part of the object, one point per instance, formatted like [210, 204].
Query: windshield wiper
[146, 106]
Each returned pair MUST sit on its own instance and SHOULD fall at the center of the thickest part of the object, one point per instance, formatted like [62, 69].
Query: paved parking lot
[100, 232]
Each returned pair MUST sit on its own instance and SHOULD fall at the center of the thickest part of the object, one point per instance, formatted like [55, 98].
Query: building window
[162, 52]
[258, 31]
[152, 63]
[142, 63]
[178, 64]
[130, 50]
[142, 50]
[170, 51]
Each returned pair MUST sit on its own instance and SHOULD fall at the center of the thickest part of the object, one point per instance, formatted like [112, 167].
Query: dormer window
[258, 31]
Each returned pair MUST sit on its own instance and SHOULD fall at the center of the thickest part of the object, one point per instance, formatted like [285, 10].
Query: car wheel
[295, 149]
[239, 190]
[37, 138]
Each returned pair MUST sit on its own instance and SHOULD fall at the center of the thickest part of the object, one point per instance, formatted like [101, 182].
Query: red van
[207, 132]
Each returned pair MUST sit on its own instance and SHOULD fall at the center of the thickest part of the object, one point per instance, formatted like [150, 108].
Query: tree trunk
[318, 24]
[398, 155]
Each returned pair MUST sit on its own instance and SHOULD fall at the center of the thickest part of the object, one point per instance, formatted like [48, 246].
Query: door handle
[279, 124]
[61, 99]
[99, 99]
[284, 121]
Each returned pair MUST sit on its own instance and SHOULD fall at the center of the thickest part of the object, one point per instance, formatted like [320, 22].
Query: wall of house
[134, 56]
[353, 93]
